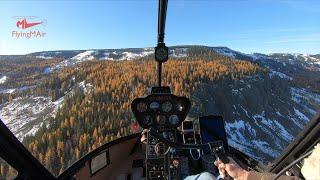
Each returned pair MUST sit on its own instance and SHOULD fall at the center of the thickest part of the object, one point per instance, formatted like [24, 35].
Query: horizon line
[278, 52]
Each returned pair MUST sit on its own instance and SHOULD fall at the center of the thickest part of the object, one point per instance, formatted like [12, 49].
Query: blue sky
[245, 25]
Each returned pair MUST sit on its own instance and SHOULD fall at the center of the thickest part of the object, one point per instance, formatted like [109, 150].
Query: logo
[29, 27]
[24, 24]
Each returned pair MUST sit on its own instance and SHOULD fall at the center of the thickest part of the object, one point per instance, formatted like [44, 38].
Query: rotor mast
[161, 51]
[162, 19]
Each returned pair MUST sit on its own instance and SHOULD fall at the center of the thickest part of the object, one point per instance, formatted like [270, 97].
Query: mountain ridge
[173, 46]
[259, 96]
[299, 66]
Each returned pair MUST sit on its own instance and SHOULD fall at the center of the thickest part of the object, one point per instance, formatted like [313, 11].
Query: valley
[63, 104]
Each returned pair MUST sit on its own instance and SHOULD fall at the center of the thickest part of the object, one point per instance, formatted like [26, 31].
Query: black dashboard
[160, 110]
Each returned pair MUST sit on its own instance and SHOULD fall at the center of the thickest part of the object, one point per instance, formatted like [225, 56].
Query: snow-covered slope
[281, 57]
[271, 61]
[132, 55]
[227, 52]
[25, 115]
[263, 113]
[279, 74]
[11, 90]
[107, 54]
[84, 56]
[81, 57]
[178, 52]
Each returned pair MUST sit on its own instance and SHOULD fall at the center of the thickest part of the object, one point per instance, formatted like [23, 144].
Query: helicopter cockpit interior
[171, 147]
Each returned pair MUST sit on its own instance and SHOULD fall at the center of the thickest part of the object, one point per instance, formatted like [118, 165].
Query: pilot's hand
[144, 136]
[233, 169]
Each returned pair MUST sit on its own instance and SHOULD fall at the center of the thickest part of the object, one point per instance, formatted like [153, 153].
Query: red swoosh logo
[24, 24]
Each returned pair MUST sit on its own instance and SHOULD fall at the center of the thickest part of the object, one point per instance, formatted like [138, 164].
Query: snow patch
[225, 51]
[239, 126]
[81, 57]
[311, 60]
[105, 57]
[299, 95]
[265, 148]
[178, 52]
[258, 56]
[236, 132]
[300, 114]
[87, 87]
[279, 74]
[84, 56]
[3, 79]
[279, 114]
[44, 57]
[132, 55]
[7, 91]
[47, 70]
[24, 116]
[266, 124]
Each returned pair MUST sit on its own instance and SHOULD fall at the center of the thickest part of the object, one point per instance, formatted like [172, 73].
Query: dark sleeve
[253, 175]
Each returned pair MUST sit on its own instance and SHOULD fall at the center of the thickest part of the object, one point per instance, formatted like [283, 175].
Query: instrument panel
[160, 110]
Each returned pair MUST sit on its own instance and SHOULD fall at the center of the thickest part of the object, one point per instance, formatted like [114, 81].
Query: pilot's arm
[237, 173]
[310, 169]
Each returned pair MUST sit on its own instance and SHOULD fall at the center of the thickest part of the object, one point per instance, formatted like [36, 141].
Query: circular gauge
[166, 106]
[174, 119]
[160, 148]
[142, 107]
[180, 107]
[161, 53]
[165, 135]
[154, 105]
[161, 119]
[147, 120]
[171, 137]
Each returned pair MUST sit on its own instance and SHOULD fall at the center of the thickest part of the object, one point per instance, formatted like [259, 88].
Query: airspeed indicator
[166, 106]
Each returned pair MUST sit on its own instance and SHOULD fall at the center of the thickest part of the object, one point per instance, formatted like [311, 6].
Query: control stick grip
[223, 158]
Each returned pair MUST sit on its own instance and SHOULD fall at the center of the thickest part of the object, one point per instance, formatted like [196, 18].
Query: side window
[6, 171]
[99, 162]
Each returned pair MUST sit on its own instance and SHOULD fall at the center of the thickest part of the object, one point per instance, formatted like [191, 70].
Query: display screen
[187, 125]
[212, 129]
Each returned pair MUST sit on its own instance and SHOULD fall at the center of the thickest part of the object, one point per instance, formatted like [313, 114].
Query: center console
[169, 151]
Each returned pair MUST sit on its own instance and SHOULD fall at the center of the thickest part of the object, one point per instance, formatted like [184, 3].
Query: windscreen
[70, 69]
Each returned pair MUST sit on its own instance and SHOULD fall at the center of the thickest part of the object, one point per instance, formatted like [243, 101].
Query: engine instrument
[160, 110]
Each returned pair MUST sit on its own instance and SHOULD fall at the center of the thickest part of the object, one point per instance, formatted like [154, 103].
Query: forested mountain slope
[85, 103]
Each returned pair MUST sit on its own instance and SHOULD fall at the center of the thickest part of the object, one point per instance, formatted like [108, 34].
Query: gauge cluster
[160, 110]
